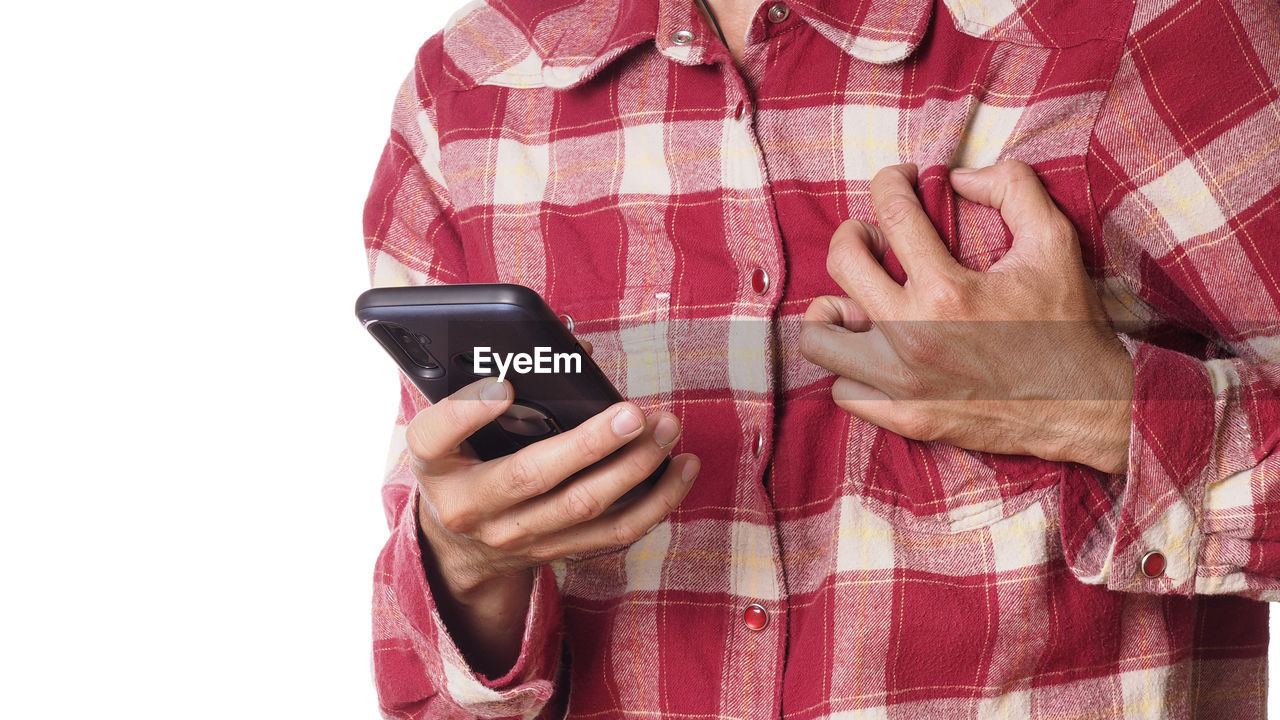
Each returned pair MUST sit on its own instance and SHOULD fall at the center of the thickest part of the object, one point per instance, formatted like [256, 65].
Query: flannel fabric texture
[640, 184]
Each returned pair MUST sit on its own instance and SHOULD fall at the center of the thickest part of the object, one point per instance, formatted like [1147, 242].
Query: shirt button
[567, 320]
[779, 12]
[755, 617]
[739, 111]
[757, 444]
[1153, 564]
[760, 281]
[682, 37]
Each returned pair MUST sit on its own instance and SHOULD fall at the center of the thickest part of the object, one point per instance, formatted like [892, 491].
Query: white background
[194, 425]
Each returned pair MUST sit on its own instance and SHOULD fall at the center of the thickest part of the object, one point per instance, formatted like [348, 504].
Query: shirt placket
[758, 625]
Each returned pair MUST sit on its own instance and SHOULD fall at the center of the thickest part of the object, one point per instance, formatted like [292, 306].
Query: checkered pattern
[574, 148]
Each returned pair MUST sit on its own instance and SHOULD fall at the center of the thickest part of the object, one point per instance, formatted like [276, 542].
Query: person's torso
[679, 213]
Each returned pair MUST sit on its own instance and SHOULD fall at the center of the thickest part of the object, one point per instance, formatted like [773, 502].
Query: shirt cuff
[1112, 525]
[531, 681]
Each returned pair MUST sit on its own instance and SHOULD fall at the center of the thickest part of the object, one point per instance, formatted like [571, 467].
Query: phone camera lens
[414, 346]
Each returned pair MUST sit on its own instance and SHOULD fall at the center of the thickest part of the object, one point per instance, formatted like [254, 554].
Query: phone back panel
[449, 323]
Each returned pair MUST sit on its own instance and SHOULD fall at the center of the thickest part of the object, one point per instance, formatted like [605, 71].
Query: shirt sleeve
[412, 239]
[1184, 168]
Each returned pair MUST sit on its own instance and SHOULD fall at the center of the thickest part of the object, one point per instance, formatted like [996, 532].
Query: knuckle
[454, 517]
[454, 413]
[896, 210]
[1023, 184]
[588, 444]
[500, 536]
[1016, 170]
[641, 464]
[920, 347]
[844, 243]
[909, 384]
[1021, 193]
[917, 425]
[672, 498]
[1060, 227]
[835, 392]
[810, 342]
[837, 259]
[626, 532]
[850, 231]
[525, 476]
[543, 554]
[951, 297]
[419, 438]
[580, 505]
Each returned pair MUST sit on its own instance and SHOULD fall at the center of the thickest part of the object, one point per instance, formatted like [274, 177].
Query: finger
[586, 345]
[853, 265]
[1025, 206]
[863, 401]
[630, 522]
[537, 468]
[904, 223]
[838, 312]
[589, 494]
[865, 357]
[908, 418]
[439, 429]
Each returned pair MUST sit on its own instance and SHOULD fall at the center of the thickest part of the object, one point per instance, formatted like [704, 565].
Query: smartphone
[445, 337]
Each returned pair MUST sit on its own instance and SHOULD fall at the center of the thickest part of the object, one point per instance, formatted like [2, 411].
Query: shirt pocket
[629, 330]
[924, 487]
[1042, 23]
[938, 488]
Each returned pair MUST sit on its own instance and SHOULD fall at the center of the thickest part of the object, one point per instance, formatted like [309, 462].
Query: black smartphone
[445, 337]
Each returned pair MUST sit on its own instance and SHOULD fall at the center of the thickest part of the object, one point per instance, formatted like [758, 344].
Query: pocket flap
[1042, 23]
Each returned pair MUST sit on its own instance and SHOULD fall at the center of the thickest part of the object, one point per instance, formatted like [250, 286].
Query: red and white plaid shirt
[679, 210]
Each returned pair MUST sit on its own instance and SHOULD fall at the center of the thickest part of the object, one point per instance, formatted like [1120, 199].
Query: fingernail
[625, 423]
[666, 432]
[690, 470]
[964, 171]
[495, 393]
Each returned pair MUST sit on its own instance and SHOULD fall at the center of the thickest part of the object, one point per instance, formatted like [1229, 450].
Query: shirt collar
[584, 37]
[876, 31]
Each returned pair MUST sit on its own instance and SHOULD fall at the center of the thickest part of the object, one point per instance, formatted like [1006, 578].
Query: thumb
[1026, 207]
[839, 312]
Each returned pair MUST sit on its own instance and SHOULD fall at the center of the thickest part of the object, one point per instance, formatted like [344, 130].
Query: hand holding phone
[548, 500]
[489, 524]
[497, 501]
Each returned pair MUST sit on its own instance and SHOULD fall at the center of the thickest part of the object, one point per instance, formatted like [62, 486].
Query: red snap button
[739, 111]
[1153, 564]
[758, 444]
[567, 320]
[760, 281]
[755, 617]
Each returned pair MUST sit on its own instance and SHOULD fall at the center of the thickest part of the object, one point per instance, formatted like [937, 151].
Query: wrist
[447, 565]
[483, 614]
[1109, 449]
[1108, 422]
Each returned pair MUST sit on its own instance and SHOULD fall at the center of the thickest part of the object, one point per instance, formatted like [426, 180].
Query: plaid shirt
[679, 210]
